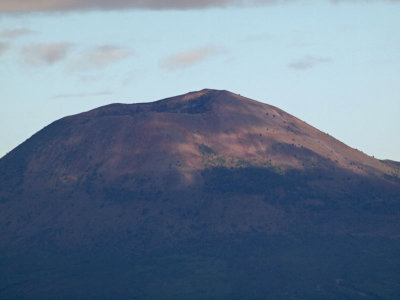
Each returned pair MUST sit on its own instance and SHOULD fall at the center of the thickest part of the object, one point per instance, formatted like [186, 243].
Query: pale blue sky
[334, 65]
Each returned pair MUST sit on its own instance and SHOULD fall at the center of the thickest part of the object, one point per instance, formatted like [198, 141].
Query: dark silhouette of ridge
[207, 195]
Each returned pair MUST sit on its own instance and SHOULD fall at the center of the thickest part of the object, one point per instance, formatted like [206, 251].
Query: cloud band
[24, 6]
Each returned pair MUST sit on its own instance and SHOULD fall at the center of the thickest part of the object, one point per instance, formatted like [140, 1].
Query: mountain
[207, 195]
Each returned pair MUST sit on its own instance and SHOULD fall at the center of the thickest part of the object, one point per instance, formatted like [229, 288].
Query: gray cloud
[20, 6]
[14, 33]
[45, 54]
[189, 58]
[83, 95]
[100, 57]
[308, 62]
[75, 5]
[3, 48]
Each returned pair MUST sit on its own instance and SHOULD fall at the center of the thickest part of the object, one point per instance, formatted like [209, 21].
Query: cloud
[45, 54]
[83, 95]
[101, 57]
[189, 58]
[21, 6]
[14, 33]
[308, 62]
[3, 48]
[257, 37]
[76, 5]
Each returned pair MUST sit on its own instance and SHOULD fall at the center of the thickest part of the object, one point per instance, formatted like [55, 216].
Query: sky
[335, 64]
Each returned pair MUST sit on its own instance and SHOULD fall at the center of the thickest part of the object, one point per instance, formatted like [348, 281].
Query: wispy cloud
[14, 33]
[257, 37]
[45, 54]
[301, 44]
[20, 6]
[83, 95]
[100, 57]
[74, 5]
[3, 48]
[189, 58]
[308, 62]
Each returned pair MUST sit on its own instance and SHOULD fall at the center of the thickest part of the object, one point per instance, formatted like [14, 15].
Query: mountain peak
[204, 96]
[197, 102]
[189, 191]
[189, 133]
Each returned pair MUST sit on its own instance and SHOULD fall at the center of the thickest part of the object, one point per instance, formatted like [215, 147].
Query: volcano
[207, 195]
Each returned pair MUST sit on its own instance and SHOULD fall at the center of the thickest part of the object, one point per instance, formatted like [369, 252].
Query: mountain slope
[160, 197]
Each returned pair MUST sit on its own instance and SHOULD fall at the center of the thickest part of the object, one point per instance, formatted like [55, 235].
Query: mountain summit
[203, 195]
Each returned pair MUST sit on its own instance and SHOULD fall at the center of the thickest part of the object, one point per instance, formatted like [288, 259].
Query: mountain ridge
[259, 131]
